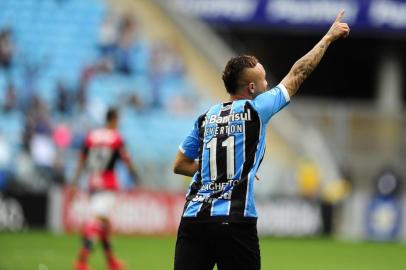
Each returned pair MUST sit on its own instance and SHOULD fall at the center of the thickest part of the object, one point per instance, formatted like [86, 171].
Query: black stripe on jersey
[252, 133]
[113, 159]
[195, 187]
[221, 153]
[221, 161]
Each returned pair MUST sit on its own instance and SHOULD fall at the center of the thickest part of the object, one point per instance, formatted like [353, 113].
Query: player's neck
[240, 96]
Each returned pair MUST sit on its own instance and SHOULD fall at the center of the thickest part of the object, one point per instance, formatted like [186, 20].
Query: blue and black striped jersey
[229, 142]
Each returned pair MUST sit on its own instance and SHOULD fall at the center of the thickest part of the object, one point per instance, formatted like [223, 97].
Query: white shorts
[101, 203]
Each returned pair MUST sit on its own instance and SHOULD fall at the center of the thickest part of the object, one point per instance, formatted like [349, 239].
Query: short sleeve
[270, 102]
[190, 146]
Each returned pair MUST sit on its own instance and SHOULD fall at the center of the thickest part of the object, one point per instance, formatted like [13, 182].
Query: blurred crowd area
[62, 64]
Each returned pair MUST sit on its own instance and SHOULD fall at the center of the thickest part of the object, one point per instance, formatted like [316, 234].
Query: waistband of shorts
[220, 219]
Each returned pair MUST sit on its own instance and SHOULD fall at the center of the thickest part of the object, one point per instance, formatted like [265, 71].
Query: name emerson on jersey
[229, 129]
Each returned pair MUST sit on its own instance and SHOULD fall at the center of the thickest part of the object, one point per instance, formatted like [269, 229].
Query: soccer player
[223, 152]
[102, 148]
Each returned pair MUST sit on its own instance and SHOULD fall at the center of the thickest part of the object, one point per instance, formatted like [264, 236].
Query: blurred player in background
[102, 149]
[223, 153]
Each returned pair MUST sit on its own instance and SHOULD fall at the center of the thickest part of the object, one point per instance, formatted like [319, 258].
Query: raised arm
[305, 65]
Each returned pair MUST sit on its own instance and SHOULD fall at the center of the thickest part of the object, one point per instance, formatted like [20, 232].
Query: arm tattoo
[305, 66]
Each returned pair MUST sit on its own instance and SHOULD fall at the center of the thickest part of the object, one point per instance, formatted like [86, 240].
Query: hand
[338, 29]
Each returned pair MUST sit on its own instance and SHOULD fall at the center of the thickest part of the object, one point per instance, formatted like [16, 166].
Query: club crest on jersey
[217, 119]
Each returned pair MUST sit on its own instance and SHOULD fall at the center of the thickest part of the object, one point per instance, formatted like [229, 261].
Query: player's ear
[251, 88]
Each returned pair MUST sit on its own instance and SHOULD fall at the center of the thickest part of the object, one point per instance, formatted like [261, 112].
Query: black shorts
[232, 246]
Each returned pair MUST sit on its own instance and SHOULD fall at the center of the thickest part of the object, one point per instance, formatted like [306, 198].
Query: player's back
[229, 141]
[230, 136]
[231, 147]
[102, 150]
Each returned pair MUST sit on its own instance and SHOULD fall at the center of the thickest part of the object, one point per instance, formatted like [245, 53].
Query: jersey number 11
[229, 145]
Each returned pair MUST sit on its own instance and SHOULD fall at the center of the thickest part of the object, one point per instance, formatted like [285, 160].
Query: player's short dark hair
[233, 70]
[112, 114]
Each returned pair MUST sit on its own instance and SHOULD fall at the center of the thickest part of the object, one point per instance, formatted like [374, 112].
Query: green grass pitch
[44, 251]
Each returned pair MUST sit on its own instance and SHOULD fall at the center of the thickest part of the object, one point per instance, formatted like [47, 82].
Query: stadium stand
[65, 75]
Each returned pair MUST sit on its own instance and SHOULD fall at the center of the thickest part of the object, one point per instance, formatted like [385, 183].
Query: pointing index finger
[340, 16]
